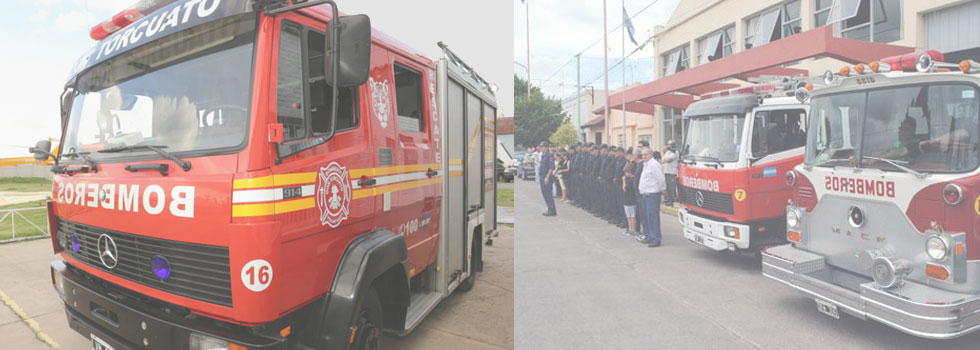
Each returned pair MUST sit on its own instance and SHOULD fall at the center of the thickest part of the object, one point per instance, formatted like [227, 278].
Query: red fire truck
[886, 205]
[737, 144]
[265, 175]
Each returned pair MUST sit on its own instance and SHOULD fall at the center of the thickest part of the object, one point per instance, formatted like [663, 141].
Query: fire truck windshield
[188, 92]
[922, 128]
[715, 138]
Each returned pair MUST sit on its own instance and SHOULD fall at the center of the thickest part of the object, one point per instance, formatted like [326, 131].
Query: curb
[30, 322]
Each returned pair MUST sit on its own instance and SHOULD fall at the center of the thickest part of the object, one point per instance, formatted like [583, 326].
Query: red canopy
[678, 90]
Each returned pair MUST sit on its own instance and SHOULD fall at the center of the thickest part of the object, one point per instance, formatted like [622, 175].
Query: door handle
[367, 182]
[431, 173]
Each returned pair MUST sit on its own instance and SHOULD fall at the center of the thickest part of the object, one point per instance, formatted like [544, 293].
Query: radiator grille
[199, 271]
[713, 201]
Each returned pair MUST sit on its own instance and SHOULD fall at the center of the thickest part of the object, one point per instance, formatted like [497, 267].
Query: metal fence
[22, 224]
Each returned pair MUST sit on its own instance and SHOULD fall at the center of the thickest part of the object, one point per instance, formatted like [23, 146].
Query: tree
[536, 117]
[564, 136]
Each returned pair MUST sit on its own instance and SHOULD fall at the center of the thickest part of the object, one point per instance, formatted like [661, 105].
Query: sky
[42, 39]
[560, 29]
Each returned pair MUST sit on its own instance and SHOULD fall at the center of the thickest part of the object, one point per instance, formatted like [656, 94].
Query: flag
[629, 26]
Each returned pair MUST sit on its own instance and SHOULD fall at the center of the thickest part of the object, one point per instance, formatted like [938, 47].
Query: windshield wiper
[184, 164]
[687, 159]
[85, 155]
[917, 174]
[710, 160]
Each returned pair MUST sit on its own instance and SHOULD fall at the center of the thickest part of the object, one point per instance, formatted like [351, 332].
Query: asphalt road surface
[580, 284]
[32, 316]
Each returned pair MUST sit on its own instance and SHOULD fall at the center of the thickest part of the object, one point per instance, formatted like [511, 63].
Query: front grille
[198, 271]
[713, 201]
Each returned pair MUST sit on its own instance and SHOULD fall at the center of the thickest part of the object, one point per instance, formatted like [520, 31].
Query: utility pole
[527, 16]
[605, 74]
[622, 91]
[578, 94]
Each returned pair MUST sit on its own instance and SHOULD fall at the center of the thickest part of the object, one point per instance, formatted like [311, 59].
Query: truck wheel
[368, 323]
[468, 283]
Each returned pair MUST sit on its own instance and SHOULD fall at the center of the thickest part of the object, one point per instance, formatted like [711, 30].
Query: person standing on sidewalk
[670, 173]
[629, 193]
[545, 171]
[651, 186]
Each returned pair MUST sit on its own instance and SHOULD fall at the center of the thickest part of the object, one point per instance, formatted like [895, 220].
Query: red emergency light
[905, 63]
[126, 17]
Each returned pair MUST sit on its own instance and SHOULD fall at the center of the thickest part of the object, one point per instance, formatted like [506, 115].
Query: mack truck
[737, 145]
[265, 175]
[885, 210]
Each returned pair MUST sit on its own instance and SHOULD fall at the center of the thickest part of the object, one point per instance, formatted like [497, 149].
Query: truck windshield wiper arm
[88, 159]
[917, 174]
[184, 164]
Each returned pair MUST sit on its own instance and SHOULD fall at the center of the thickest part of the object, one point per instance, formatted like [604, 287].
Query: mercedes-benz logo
[699, 198]
[107, 251]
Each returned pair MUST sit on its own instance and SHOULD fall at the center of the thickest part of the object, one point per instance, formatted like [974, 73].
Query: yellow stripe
[294, 205]
[265, 181]
[455, 161]
[295, 178]
[455, 173]
[259, 209]
[31, 323]
[374, 191]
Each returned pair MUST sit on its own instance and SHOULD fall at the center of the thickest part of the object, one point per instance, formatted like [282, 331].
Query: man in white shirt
[652, 184]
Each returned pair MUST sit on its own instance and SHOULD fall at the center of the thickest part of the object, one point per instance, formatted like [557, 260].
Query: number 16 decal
[256, 275]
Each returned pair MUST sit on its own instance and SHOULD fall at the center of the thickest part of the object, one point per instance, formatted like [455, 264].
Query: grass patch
[24, 229]
[505, 197]
[25, 184]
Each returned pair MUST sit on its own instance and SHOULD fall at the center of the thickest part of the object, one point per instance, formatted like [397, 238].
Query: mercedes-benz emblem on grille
[699, 198]
[107, 251]
[855, 216]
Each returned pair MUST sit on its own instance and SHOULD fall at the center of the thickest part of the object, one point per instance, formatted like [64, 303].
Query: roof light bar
[126, 17]
[969, 66]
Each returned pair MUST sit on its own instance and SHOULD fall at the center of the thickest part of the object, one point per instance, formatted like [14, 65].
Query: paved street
[479, 319]
[580, 284]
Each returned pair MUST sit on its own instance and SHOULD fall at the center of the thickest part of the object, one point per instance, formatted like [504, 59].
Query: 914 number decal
[865, 80]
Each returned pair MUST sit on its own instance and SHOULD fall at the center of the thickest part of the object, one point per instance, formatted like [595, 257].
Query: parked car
[525, 168]
[505, 173]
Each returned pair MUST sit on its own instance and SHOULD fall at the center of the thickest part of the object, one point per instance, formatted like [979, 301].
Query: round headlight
[792, 218]
[790, 178]
[936, 247]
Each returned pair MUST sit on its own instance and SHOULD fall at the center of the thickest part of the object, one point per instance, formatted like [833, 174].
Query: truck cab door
[315, 195]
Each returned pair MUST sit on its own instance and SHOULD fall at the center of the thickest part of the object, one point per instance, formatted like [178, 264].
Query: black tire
[368, 322]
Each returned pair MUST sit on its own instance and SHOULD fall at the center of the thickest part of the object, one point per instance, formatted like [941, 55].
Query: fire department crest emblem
[333, 194]
[380, 100]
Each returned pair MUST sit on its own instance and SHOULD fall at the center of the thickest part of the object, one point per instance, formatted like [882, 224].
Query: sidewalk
[25, 280]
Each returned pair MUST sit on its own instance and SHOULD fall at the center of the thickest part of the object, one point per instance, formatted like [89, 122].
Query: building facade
[701, 31]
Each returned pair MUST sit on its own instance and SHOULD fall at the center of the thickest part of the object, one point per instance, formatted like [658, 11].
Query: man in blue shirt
[546, 173]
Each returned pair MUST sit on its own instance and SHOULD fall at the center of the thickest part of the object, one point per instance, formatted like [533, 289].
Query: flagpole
[622, 91]
[605, 74]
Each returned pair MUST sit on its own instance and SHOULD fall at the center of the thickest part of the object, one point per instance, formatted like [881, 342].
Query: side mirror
[42, 150]
[353, 52]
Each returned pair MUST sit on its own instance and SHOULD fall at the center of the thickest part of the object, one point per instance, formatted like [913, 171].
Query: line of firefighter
[593, 179]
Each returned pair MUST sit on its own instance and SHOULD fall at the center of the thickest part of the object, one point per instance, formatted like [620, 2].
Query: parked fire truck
[738, 143]
[265, 175]
[886, 205]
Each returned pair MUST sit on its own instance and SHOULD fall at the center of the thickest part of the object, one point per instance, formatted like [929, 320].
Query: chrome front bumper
[914, 308]
[711, 233]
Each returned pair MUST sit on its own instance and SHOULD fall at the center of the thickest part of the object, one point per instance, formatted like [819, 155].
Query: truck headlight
[936, 247]
[793, 218]
[203, 342]
[732, 232]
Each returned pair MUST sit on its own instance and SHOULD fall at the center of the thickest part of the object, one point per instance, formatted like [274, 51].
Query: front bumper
[94, 310]
[914, 308]
[711, 233]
